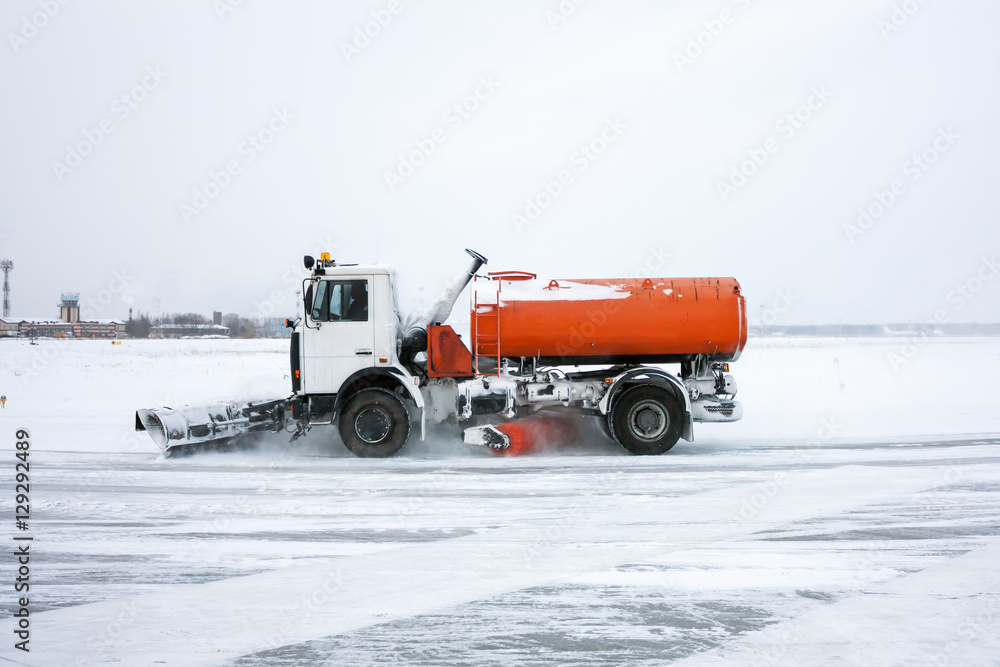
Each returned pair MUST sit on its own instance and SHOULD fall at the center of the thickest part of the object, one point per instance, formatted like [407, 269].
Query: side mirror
[309, 262]
[307, 300]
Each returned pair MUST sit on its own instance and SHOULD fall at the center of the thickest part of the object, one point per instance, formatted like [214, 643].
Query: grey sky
[673, 129]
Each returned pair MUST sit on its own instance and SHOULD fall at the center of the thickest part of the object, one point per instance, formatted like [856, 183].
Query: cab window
[341, 301]
[349, 301]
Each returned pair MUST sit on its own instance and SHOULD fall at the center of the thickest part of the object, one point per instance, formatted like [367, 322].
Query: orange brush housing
[531, 435]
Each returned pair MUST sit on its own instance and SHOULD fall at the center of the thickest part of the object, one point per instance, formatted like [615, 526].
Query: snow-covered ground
[851, 517]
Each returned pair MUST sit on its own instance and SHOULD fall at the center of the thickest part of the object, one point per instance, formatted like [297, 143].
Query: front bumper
[708, 409]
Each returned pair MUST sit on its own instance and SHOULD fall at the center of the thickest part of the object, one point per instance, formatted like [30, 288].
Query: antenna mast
[7, 267]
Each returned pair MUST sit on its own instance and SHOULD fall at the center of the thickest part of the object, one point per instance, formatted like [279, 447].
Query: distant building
[217, 318]
[69, 309]
[9, 327]
[188, 331]
[38, 328]
[68, 326]
[99, 329]
[275, 331]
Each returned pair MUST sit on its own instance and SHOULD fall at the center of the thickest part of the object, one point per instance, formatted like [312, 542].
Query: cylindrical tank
[654, 320]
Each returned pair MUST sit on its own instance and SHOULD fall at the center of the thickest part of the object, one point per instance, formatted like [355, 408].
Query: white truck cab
[350, 325]
[344, 358]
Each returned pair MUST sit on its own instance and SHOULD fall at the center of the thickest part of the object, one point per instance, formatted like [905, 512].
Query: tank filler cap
[511, 275]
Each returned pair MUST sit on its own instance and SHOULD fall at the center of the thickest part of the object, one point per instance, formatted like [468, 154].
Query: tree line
[141, 325]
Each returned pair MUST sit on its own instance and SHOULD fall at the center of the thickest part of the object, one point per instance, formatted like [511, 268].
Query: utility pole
[7, 267]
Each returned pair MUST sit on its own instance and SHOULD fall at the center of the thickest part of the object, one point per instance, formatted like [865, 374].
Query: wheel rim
[648, 420]
[372, 424]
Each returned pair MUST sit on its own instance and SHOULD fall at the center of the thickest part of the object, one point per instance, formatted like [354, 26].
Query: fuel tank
[600, 321]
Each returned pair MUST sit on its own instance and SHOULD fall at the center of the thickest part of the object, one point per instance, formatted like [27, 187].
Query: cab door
[340, 335]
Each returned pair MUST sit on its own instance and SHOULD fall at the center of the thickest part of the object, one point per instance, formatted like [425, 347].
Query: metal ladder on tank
[487, 331]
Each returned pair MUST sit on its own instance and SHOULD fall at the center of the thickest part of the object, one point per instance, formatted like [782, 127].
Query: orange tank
[656, 320]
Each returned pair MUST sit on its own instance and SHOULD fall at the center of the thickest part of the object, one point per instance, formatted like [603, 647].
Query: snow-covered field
[851, 518]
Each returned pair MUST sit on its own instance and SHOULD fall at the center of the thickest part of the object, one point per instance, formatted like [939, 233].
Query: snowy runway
[796, 550]
[542, 561]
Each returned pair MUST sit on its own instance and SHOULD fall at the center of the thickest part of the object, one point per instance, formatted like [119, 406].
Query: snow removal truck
[587, 347]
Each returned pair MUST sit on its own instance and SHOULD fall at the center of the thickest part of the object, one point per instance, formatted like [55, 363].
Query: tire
[374, 423]
[646, 420]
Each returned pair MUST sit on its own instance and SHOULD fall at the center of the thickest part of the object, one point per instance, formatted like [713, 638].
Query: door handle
[363, 352]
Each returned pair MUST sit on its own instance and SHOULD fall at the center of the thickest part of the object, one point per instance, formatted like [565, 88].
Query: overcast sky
[183, 156]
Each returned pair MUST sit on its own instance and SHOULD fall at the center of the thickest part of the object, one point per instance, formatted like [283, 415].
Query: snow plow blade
[218, 427]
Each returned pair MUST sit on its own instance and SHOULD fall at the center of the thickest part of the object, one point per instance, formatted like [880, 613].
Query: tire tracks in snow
[911, 620]
[210, 623]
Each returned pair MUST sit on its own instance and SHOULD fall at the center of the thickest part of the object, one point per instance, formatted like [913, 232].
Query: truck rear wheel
[646, 420]
[374, 423]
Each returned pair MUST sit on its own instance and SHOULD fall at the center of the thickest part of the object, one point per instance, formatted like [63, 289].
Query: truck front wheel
[374, 423]
[646, 420]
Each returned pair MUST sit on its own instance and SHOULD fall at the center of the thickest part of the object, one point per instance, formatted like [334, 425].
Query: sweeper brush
[539, 433]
